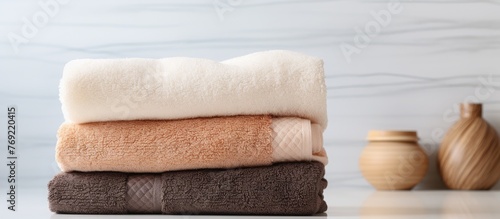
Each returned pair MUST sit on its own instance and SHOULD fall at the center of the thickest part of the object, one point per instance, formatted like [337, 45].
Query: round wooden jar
[393, 160]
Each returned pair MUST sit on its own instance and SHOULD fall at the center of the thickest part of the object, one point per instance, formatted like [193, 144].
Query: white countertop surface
[342, 203]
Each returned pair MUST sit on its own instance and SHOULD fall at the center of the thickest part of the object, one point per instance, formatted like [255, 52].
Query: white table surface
[342, 203]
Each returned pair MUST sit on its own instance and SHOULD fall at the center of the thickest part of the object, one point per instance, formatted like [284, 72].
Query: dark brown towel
[281, 189]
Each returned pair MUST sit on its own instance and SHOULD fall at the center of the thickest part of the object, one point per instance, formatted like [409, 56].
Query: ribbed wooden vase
[469, 156]
[393, 160]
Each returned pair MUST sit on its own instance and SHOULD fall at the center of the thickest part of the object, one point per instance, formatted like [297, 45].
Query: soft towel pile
[192, 136]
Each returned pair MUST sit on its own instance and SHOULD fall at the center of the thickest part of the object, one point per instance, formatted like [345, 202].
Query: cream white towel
[279, 83]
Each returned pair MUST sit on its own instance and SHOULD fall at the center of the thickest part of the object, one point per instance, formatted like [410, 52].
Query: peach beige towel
[162, 145]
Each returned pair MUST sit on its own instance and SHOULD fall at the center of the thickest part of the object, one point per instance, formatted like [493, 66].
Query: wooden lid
[389, 135]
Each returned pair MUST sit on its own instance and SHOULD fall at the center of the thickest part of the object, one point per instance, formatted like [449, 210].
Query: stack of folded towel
[192, 136]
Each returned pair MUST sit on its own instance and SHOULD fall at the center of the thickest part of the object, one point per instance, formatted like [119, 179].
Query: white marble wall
[428, 56]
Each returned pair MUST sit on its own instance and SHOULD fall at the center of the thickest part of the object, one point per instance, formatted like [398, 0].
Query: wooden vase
[469, 156]
[393, 160]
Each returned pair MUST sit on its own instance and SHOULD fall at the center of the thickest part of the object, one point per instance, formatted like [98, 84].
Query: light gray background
[431, 56]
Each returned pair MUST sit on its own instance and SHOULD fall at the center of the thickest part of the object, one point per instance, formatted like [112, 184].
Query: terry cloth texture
[161, 145]
[281, 189]
[278, 83]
